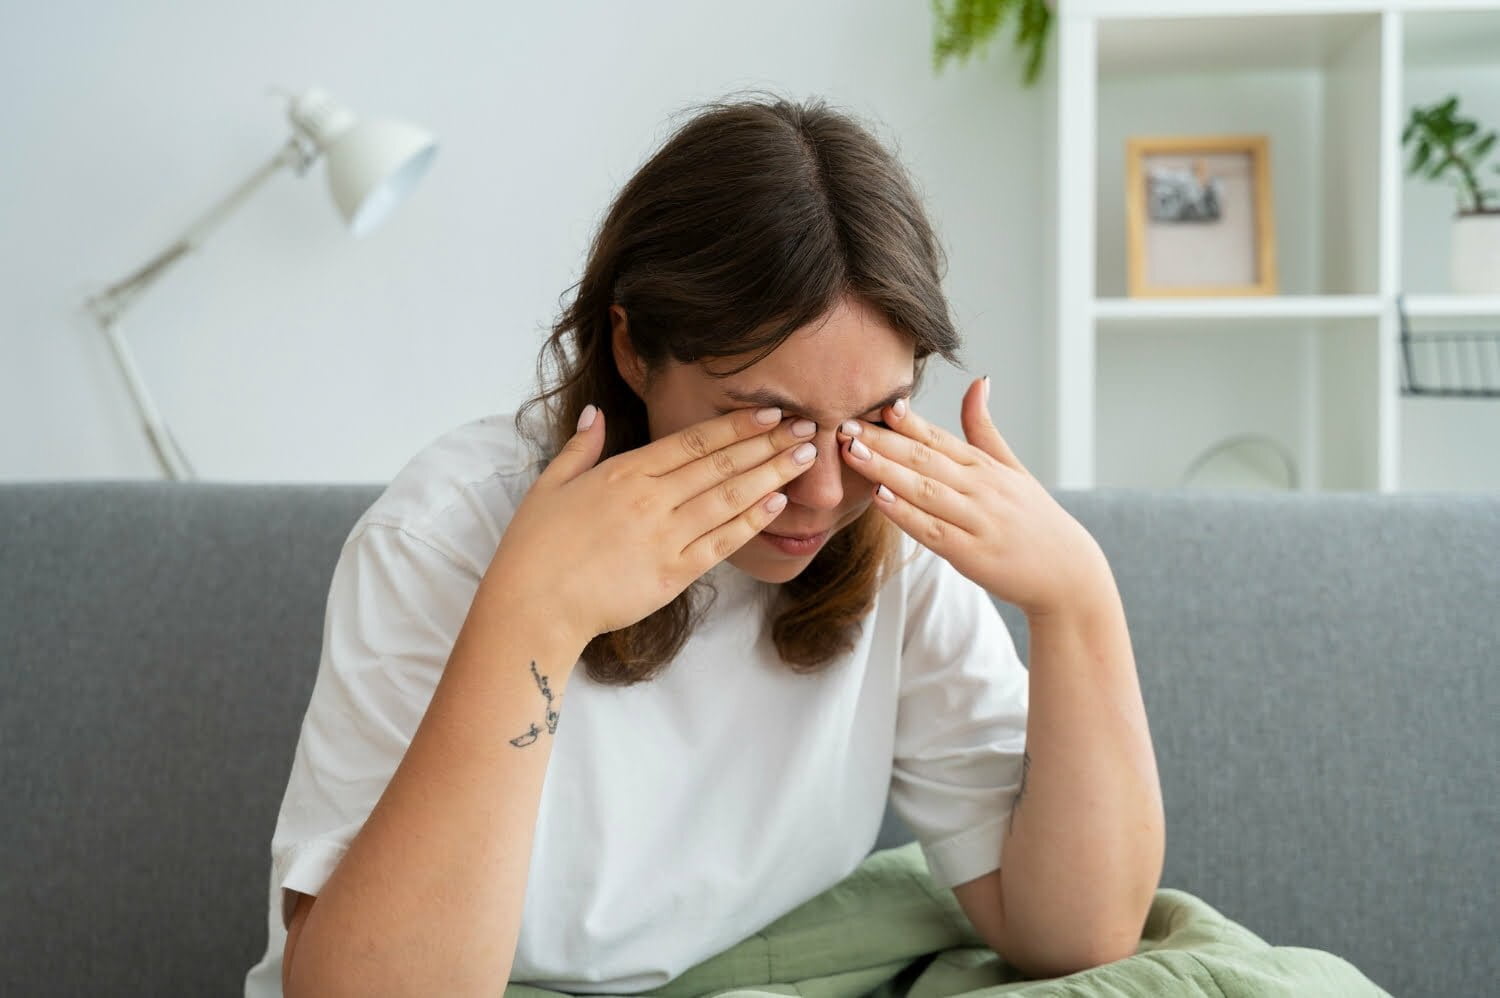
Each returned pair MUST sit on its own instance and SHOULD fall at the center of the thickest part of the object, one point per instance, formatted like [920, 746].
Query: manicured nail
[899, 408]
[803, 428]
[775, 502]
[768, 416]
[586, 418]
[850, 428]
[884, 494]
[804, 453]
[986, 389]
[859, 450]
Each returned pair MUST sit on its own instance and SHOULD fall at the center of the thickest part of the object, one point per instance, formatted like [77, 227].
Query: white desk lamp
[372, 166]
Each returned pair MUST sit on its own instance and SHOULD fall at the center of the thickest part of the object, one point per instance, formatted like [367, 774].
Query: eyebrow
[766, 397]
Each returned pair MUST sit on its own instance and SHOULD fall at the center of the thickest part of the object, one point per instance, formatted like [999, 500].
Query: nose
[822, 485]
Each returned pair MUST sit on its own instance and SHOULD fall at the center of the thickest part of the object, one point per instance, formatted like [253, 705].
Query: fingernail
[775, 503]
[899, 408]
[586, 418]
[804, 453]
[803, 428]
[884, 494]
[986, 389]
[850, 428]
[768, 416]
[859, 450]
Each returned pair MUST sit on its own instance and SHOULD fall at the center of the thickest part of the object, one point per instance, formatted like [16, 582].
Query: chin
[765, 563]
[772, 570]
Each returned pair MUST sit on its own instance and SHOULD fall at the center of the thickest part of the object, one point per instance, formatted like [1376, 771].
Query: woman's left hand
[974, 504]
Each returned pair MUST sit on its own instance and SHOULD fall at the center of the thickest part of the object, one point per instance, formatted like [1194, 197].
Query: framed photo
[1198, 217]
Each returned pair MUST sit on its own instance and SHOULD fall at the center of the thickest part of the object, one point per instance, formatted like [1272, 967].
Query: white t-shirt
[680, 815]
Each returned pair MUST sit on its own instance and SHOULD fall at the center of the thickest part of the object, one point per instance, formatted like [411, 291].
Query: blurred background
[287, 350]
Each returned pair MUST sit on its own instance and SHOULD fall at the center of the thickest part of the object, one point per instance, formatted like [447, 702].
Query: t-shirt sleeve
[961, 722]
[395, 607]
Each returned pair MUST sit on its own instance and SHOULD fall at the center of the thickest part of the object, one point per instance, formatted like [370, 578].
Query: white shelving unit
[1453, 306]
[1145, 385]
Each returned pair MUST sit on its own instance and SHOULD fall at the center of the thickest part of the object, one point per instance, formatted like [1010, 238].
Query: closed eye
[789, 415]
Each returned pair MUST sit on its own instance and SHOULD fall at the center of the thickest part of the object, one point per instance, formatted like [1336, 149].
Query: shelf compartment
[1218, 43]
[1167, 392]
[1311, 83]
[1454, 307]
[1450, 363]
[1446, 53]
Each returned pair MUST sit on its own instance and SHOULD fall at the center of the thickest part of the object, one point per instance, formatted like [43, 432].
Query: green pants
[887, 931]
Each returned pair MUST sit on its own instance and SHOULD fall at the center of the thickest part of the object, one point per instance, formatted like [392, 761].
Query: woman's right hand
[595, 548]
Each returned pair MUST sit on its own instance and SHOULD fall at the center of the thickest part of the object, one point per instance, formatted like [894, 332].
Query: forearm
[428, 898]
[1084, 849]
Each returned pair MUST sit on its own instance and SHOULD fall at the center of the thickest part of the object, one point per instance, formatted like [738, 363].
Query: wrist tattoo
[533, 732]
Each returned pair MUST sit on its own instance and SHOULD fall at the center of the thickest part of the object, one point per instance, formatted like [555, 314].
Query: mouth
[797, 536]
[795, 543]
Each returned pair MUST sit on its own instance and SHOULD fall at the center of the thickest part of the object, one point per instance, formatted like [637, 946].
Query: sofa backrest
[1319, 673]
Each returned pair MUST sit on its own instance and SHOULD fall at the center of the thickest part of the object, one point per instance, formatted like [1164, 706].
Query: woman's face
[847, 365]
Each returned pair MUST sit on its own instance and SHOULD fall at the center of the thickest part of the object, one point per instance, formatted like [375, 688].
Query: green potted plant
[961, 26]
[1445, 144]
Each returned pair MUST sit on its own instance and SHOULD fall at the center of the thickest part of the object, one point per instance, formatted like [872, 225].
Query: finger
[724, 540]
[580, 453]
[723, 502]
[917, 455]
[927, 493]
[980, 428]
[932, 532]
[902, 418]
[692, 480]
[701, 439]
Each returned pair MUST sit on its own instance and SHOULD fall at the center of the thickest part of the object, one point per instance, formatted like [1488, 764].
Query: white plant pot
[1476, 254]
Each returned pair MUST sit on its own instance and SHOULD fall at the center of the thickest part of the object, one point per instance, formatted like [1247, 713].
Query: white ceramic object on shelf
[1476, 254]
[1248, 461]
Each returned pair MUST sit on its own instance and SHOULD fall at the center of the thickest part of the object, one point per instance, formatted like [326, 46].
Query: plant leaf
[1035, 23]
[966, 25]
[963, 26]
[1481, 148]
[1421, 156]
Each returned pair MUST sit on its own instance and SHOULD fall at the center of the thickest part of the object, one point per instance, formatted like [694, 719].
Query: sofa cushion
[1319, 673]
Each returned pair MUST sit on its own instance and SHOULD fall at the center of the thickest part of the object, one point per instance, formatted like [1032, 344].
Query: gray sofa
[1320, 675]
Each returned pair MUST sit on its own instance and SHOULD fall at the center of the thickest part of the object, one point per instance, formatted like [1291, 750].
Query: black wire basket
[1447, 363]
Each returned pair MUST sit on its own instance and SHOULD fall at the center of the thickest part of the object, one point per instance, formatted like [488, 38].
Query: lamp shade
[373, 166]
[372, 163]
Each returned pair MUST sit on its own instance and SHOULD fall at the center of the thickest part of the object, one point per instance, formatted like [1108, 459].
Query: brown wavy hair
[753, 219]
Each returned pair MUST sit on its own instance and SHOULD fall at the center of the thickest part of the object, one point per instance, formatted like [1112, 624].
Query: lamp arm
[108, 304]
[168, 454]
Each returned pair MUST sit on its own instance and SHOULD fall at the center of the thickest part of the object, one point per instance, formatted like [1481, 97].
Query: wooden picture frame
[1198, 218]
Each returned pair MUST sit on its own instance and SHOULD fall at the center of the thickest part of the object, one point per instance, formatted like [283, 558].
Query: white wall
[288, 351]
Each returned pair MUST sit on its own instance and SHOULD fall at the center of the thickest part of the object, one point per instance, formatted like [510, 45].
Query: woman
[608, 688]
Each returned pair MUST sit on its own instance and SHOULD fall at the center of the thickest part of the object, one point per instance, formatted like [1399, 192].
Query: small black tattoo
[541, 682]
[1020, 790]
[532, 733]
